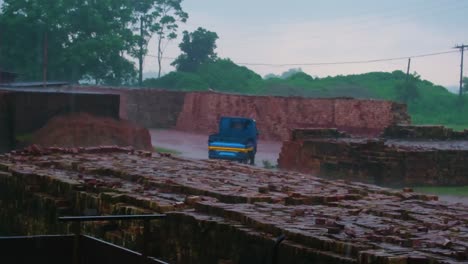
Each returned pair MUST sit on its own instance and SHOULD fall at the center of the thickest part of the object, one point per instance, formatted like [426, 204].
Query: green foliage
[285, 74]
[84, 39]
[407, 90]
[452, 191]
[166, 150]
[161, 17]
[24, 138]
[224, 75]
[197, 48]
[183, 81]
[268, 165]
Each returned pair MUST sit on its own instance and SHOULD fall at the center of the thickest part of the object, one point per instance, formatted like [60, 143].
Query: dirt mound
[85, 130]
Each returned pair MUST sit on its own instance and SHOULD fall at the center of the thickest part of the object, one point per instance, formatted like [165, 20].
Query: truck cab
[236, 140]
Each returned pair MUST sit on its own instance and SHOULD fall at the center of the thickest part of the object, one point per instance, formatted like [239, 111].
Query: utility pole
[461, 48]
[408, 70]
[140, 80]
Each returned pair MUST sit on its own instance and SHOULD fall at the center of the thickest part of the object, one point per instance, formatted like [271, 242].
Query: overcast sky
[304, 31]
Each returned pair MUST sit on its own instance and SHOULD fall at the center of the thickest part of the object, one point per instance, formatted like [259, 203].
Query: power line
[348, 62]
[332, 63]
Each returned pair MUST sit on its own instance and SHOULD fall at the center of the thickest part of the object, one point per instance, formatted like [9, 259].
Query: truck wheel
[252, 159]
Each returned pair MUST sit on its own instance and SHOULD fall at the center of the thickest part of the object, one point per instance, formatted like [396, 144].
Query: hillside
[427, 103]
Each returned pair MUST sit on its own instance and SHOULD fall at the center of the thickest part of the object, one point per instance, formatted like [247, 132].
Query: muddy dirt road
[195, 146]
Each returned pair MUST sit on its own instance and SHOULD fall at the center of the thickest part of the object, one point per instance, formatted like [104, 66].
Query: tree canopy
[407, 90]
[79, 40]
[160, 17]
[197, 48]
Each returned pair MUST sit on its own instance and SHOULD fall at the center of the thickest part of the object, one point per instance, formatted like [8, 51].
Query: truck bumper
[229, 151]
[228, 155]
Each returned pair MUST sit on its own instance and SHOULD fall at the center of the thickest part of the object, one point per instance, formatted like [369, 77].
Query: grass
[268, 165]
[24, 138]
[166, 150]
[458, 127]
[452, 191]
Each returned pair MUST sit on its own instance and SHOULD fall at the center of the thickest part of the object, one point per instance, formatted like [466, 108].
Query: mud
[195, 146]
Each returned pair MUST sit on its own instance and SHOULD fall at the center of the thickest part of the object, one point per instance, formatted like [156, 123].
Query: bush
[183, 81]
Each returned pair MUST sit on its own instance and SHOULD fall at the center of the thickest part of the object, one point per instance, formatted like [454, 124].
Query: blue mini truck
[236, 140]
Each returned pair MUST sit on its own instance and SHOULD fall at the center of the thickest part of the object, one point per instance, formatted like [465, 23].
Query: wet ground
[419, 144]
[195, 146]
[454, 199]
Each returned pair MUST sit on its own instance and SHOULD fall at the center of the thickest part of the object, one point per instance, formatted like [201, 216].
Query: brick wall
[151, 108]
[276, 116]
[199, 112]
[154, 108]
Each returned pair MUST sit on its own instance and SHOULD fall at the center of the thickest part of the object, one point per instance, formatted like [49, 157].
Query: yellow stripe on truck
[231, 149]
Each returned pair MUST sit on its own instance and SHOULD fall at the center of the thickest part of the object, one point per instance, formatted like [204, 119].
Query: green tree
[225, 75]
[407, 90]
[160, 17]
[166, 25]
[97, 40]
[290, 72]
[76, 40]
[197, 47]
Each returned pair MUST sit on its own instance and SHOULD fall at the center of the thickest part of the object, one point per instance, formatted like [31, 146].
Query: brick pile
[406, 156]
[225, 212]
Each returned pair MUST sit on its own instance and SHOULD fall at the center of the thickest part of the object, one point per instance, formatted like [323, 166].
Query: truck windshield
[240, 125]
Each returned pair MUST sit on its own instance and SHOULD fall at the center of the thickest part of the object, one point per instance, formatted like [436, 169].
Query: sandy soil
[195, 146]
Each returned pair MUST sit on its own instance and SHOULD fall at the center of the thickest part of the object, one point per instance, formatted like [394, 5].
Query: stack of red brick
[415, 159]
[226, 212]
